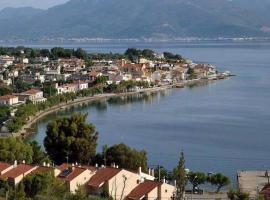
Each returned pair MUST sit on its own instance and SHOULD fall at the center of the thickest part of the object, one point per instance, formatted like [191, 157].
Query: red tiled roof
[266, 191]
[143, 189]
[77, 170]
[79, 82]
[63, 166]
[4, 166]
[132, 65]
[41, 169]
[7, 97]
[32, 91]
[103, 175]
[93, 73]
[17, 171]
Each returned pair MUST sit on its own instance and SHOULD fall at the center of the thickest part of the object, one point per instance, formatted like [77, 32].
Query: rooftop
[7, 97]
[4, 166]
[17, 171]
[143, 189]
[32, 91]
[102, 175]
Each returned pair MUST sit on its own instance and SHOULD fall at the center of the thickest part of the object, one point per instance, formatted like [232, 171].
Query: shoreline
[26, 130]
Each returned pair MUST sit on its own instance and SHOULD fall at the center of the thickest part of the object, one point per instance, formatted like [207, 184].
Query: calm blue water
[222, 127]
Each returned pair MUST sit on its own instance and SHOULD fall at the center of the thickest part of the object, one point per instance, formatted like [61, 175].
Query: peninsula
[36, 82]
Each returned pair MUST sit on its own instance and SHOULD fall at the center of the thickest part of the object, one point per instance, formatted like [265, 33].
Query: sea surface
[223, 126]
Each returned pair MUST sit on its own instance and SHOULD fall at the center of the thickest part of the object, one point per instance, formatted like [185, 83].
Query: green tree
[71, 137]
[196, 178]
[12, 149]
[4, 113]
[126, 157]
[37, 183]
[5, 90]
[181, 178]
[237, 195]
[219, 180]
[39, 155]
[80, 53]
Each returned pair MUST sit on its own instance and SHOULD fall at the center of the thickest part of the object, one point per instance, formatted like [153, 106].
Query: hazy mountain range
[139, 19]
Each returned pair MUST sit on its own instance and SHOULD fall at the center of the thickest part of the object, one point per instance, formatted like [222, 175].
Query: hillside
[142, 18]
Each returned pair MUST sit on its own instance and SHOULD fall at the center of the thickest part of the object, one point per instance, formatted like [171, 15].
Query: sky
[44, 4]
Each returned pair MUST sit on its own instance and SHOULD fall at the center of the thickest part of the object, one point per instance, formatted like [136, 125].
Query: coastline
[26, 130]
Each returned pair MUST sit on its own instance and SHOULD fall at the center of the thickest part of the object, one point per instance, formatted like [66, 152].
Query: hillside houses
[98, 181]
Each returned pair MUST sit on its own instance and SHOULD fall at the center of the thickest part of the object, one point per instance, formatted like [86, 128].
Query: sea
[222, 126]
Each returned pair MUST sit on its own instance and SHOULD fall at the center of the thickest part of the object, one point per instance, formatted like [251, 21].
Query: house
[34, 95]
[6, 60]
[17, 173]
[9, 100]
[265, 192]
[136, 70]
[80, 85]
[204, 70]
[32, 78]
[149, 190]
[66, 88]
[114, 182]
[25, 60]
[75, 175]
[4, 167]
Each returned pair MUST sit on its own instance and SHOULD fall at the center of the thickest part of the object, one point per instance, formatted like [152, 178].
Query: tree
[196, 178]
[5, 90]
[71, 138]
[219, 180]
[38, 154]
[181, 178]
[237, 195]
[80, 53]
[12, 149]
[37, 183]
[4, 113]
[126, 157]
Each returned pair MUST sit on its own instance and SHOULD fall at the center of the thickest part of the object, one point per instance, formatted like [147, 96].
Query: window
[166, 191]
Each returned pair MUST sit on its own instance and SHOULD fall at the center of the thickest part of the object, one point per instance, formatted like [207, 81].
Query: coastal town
[32, 76]
[36, 82]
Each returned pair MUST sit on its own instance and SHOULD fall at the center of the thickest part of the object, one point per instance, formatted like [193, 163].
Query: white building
[34, 95]
[6, 60]
[9, 100]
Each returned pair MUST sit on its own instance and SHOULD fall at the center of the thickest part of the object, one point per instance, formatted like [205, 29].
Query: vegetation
[25, 111]
[170, 56]
[219, 180]
[39, 157]
[125, 157]
[135, 54]
[12, 149]
[196, 179]
[126, 86]
[4, 90]
[237, 195]
[181, 177]
[71, 138]
[4, 113]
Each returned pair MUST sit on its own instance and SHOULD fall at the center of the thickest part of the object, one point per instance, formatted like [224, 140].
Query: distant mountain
[140, 19]
[13, 13]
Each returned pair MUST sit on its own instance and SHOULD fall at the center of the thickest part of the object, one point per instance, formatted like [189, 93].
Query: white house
[9, 100]
[34, 95]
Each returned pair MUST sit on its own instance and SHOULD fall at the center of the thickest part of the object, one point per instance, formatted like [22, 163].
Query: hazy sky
[33, 3]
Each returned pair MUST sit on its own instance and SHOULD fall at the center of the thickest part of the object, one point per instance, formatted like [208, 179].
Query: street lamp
[267, 175]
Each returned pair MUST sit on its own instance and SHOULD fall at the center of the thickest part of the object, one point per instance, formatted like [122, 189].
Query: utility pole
[158, 172]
